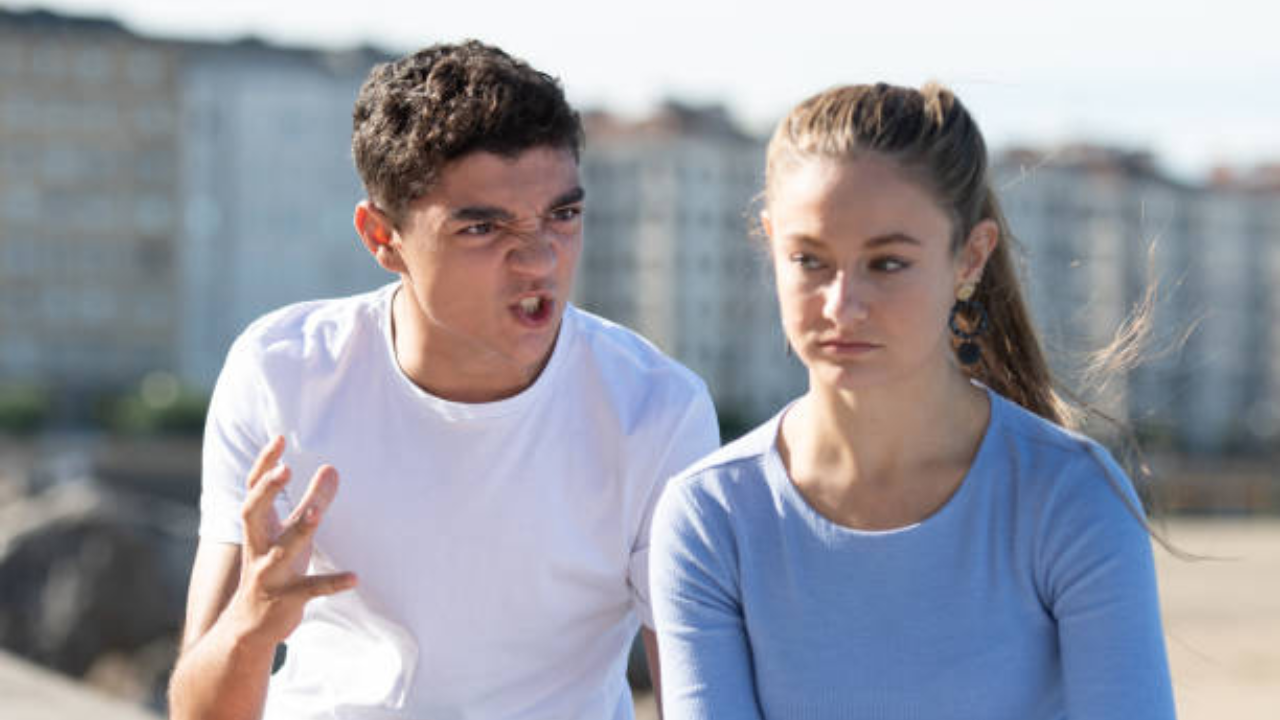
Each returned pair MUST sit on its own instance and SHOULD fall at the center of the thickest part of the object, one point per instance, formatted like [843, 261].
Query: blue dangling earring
[968, 352]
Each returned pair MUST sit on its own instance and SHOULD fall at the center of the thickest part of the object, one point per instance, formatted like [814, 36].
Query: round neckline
[454, 410]
[777, 474]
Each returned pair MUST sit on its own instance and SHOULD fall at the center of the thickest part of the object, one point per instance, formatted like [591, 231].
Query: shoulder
[1064, 463]
[1081, 519]
[630, 355]
[1038, 434]
[628, 371]
[742, 457]
[706, 512]
[1079, 505]
[315, 333]
[720, 483]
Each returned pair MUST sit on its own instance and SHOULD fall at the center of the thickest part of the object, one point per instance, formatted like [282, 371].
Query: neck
[448, 367]
[888, 455]
[896, 420]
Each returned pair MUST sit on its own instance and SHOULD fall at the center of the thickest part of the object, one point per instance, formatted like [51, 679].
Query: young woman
[917, 536]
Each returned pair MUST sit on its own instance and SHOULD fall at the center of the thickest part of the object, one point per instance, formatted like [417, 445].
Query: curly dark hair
[416, 114]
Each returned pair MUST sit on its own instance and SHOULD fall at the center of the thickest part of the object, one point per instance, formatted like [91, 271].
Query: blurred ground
[1221, 619]
[28, 692]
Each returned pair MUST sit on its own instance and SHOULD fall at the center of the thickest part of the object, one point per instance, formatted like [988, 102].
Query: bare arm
[222, 670]
[650, 640]
[245, 599]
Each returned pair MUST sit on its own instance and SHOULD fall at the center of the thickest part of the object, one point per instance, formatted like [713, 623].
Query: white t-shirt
[502, 548]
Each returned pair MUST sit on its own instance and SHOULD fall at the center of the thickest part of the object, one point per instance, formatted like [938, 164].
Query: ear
[766, 224]
[975, 252]
[379, 236]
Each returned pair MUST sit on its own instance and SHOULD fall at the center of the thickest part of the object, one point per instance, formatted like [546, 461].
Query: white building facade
[670, 251]
[1101, 228]
[268, 190]
[89, 144]
[156, 197]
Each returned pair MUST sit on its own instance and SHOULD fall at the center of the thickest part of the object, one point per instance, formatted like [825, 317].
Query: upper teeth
[530, 304]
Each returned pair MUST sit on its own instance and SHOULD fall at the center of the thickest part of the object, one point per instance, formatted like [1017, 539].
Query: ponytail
[1013, 362]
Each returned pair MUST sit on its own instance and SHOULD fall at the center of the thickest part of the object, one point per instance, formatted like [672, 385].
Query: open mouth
[534, 310]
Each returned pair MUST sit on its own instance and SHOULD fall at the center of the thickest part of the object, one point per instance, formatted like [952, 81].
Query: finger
[305, 518]
[296, 539]
[258, 512]
[314, 586]
[267, 459]
[320, 493]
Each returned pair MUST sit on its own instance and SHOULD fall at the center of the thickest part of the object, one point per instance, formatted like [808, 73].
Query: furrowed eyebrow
[575, 195]
[489, 213]
[480, 213]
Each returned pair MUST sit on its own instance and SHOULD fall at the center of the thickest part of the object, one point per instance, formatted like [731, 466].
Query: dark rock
[85, 572]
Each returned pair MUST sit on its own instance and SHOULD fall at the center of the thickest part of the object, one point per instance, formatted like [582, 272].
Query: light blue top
[1031, 594]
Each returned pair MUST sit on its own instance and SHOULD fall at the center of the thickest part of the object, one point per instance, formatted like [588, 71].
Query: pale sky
[1196, 82]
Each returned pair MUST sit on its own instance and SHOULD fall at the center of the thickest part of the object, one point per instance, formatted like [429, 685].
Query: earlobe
[981, 242]
[387, 257]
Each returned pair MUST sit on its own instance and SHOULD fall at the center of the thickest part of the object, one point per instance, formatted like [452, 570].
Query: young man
[500, 452]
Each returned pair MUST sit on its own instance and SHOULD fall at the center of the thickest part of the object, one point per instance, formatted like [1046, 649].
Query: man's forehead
[532, 177]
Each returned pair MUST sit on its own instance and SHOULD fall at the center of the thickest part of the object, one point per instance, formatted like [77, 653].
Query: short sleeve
[235, 432]
[1097, 577]
[695, 436]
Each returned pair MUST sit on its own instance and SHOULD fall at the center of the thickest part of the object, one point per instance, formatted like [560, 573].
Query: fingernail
[310, 515]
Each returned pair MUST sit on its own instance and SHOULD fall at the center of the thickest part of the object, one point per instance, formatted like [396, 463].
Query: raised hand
[274, 586]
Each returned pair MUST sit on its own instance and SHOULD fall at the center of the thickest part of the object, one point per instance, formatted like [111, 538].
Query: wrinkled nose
[844, 302]
[535, 253]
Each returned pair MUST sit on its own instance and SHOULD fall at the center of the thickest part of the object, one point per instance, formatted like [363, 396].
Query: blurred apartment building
[89, 201]
[156, 196]
[669, 250]
[267, 189]
[1099, 228]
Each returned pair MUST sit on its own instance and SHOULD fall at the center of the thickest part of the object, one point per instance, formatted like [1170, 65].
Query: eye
[566, 214]
[479, 229]
[807, 262]
[889, 264]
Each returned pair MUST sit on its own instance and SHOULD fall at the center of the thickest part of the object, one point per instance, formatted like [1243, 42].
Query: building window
[145, 68]
[21, 112]
[18, 159]
[62, 163]
[20, 204]
[153, 214]
[93, 64]
[152, 119]
[13, 58]
[154, 256]
[48, 60]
